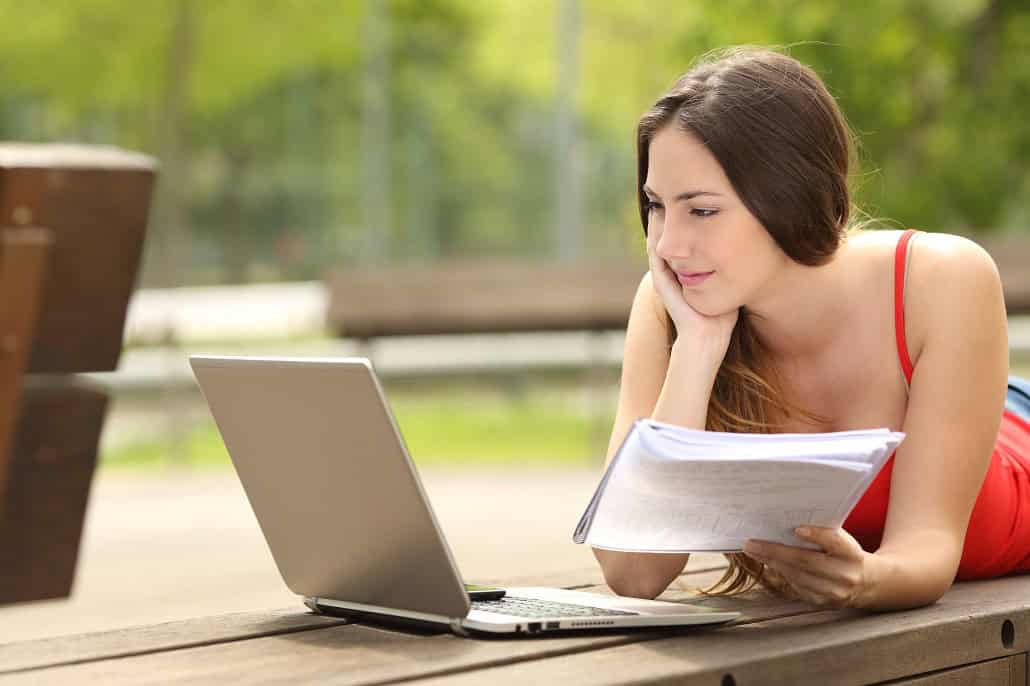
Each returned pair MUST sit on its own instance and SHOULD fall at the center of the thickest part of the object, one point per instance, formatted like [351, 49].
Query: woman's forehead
[678, 162]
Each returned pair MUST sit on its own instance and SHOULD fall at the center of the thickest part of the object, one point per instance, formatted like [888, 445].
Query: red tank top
[998, 538]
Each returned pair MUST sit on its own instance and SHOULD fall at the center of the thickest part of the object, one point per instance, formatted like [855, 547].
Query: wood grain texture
[990, 673]
[23, 265]
[818, 647]
[349, 654]
[778, 642]
[355, 654]
[1018, 675]
[67, 650]
[97, 212]
[66, 295]
[222, 628]
[52, 459]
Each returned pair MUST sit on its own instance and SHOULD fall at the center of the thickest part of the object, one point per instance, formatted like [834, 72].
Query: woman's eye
[651, 206]
[701, 212]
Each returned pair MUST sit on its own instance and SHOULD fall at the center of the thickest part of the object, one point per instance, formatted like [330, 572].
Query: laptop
[346, 518]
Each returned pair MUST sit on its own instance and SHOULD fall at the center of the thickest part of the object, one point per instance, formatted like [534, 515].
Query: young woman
[767, 309]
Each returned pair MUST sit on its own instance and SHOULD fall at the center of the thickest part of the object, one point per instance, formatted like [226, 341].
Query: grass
[535, 427]
[455, 424]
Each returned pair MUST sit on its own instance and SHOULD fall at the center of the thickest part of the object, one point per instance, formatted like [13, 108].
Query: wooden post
[23, 265]
[64, 292]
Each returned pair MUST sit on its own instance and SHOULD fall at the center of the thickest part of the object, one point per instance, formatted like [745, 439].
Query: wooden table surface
[979, 633]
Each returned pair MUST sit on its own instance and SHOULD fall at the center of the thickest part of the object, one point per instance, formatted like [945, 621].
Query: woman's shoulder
[947, 265]
[950, 281]
[932, 255]
[952, 287]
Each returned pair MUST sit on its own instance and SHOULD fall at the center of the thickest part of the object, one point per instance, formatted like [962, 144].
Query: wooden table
[979, 633]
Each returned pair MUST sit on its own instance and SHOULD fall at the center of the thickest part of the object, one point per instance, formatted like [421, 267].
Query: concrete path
[170, 545]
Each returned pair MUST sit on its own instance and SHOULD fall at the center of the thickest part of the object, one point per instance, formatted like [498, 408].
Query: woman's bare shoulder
[951, 283]
[943, 257]
[948, 242]
[938, 266]
[929, 253]
[930, 244]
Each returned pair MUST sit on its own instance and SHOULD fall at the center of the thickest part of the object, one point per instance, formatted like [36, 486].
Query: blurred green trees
[300, 134]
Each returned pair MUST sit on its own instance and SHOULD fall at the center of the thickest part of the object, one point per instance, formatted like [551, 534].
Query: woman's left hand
[836, 576]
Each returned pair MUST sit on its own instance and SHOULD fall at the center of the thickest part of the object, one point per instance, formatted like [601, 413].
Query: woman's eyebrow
[686, 195]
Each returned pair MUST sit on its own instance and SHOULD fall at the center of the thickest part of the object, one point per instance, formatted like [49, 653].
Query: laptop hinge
[457, 627]
[357, 612]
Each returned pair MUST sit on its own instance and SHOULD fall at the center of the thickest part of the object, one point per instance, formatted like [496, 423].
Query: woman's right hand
[690, 324]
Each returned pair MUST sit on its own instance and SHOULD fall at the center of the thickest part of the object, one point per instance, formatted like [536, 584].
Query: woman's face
[702, 226]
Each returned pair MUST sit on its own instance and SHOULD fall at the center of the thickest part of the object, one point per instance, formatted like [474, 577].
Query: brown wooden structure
[72, 222]
[1012, 255]
[979, 633]
[481, 297]
[509, 296]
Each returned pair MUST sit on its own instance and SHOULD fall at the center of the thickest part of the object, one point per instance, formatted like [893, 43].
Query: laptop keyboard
[527, 607]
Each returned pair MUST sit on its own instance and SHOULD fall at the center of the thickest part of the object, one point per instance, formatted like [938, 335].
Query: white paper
[678, 490]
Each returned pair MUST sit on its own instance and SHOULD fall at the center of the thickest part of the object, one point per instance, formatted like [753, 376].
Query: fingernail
[803, 531]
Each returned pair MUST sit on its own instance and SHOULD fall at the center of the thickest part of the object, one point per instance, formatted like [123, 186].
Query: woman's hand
[836, 576]
[689, 323]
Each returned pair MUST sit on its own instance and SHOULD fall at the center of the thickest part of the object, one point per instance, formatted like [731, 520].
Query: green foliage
[440, 426]
[270, 101]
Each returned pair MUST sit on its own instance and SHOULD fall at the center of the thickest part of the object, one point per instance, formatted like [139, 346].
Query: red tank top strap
[900, 254]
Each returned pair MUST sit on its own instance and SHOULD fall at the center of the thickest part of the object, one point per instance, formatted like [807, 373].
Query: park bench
[1012, 255]
[495, 296]
[72, 222]
[492, 296]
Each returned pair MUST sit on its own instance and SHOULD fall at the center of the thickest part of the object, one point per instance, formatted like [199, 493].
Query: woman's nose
[672, 242]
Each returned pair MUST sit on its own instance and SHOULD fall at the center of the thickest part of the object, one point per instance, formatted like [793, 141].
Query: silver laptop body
[345, 516]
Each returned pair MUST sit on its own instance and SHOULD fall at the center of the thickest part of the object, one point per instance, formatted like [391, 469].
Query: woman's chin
[704, 306]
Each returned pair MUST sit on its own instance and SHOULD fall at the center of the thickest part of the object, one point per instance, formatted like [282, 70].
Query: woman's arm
[955, 305]
[956, 312]
[647, 390]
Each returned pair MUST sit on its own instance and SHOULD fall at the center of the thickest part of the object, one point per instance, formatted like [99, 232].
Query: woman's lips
[692, 278]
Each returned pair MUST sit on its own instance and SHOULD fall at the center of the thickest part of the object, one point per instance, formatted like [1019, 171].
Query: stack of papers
[675, 490]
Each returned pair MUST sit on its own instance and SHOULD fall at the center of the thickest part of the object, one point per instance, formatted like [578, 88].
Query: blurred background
[304, 135]
[300, 140]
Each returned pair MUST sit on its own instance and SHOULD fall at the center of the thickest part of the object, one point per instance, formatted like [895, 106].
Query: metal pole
[375, 132]
[568, 190]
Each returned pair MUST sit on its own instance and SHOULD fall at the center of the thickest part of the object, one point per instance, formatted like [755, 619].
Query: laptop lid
[330, 481]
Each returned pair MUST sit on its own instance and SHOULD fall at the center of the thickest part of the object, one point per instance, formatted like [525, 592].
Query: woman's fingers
[665, 284]
[816, 588]
[834, 576]
[834, 540]
[837, 569]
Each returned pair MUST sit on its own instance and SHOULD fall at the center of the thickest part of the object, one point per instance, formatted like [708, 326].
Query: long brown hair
[786, 149]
